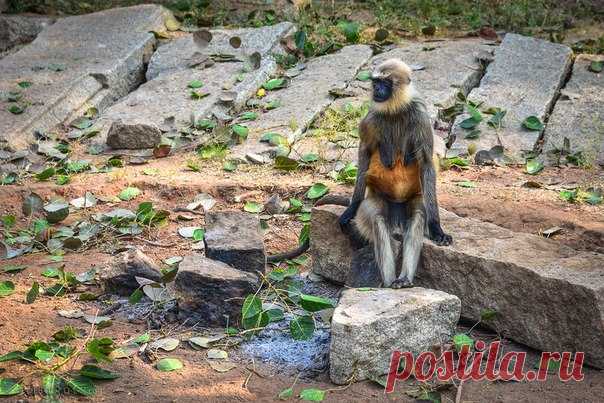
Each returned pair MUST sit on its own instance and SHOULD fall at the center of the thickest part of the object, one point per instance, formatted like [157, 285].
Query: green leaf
[51, 272]
[304, 234]
[317, 190]
[16, 109]
[9, 387]
[295, 205]
[350, 29]
[56, 290]
[81, 123]
[82, 385]
[24, 84]
[310, 157]
[302, 327]
[274, 84]
[533, 123]
[252, 306]
[569, 195]
[466, 184]
[314, 304]
[487, 314]
[462, 339]
[300, 39]
[533, 167]
[474, 134]
[94, 372]
[66, 334]
[168, 364]
[136, 296]
[129, 193]
[6, 288]
[458, 161]
[274, 104]
[8, 179]
[143, 338]
[285, 163]
[229, 166]
[364, 75]
[593, 197]
[274, 139]
[52, 385]
[205, 124]
[275, 315]
[312, 395]
[469, 123]
[33, 293]
[474, 113]
[286, 394]
[253, 207]
[248, 116]
[44, 355]
[45, 174]
[11, 268]
[240, 130]
[62, 180]
[195, 84]
[13, 355]
[198, 234]
[100, 348]
[495, 121]
[596, 66]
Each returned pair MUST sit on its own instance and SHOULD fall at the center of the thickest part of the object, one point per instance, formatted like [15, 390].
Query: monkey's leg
[413, 240]
[371, 224]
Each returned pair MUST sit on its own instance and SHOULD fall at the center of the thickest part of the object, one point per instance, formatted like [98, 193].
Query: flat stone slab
[367, 326]
[21, 29]
[208, 290]
[528, 280]
[305, 98]
[578, 116]
[179, 53]
[524, 79]
[82, 61]
[165, 103]
[235, 238]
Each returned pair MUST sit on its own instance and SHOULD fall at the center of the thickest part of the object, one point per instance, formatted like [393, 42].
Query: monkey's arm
[428, 183]
[359, 188]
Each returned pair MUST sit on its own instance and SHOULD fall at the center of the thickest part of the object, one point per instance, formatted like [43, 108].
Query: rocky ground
[99, 108]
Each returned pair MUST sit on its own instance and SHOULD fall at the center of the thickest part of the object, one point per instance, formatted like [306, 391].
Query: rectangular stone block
[367, 326]
[235, 238]
[83, 60]
[578, 116]
[547, 296]
[524, 79]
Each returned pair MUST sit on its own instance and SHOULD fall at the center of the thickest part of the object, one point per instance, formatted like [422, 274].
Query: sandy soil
[499, 198]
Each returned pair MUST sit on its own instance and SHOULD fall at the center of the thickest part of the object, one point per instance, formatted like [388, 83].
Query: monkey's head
[391, 85]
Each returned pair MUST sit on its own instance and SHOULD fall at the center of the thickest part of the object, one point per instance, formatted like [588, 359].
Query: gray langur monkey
[395, 191]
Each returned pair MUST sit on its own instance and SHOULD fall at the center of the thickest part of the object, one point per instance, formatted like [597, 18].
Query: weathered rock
[119, 277]
[133, 136]
[19, 29]
[3, 6]
[521, 276]
[235, 238]
[76, 63]
[307, 95]
[181, 53]
[209, 290]
[167, 98]
[367, 326]
[578, 116]
[524, 80]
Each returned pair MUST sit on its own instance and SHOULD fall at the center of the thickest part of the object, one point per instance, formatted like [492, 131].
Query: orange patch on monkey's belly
[400, 183]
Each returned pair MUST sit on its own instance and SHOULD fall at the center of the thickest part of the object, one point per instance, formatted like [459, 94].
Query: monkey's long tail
[339, 200]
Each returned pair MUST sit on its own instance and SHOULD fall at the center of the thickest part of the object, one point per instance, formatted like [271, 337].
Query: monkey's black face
[382, 89]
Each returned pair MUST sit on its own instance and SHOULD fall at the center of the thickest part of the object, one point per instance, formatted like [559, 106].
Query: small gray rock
[209, 290]
[133, 136]
[235, 238]
[274, 205]
[367, 326]
[119, 277]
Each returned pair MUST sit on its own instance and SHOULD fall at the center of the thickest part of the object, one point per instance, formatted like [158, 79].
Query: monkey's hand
[347, 216]
[438, 236]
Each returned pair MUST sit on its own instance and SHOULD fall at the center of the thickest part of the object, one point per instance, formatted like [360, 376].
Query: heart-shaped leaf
[302, 327]
[312, 395]
[364, 75]
[533, 123]
[533, 167]
[169, 364]
[129, 193]
[9, 387]
[6, 288]
[460, 340]
[195, 84]
[317, 190]
[82, 385]
[275, 83]
[253, 207]
[94, 372]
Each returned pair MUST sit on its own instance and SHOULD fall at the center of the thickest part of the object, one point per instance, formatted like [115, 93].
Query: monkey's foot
[401, 283]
